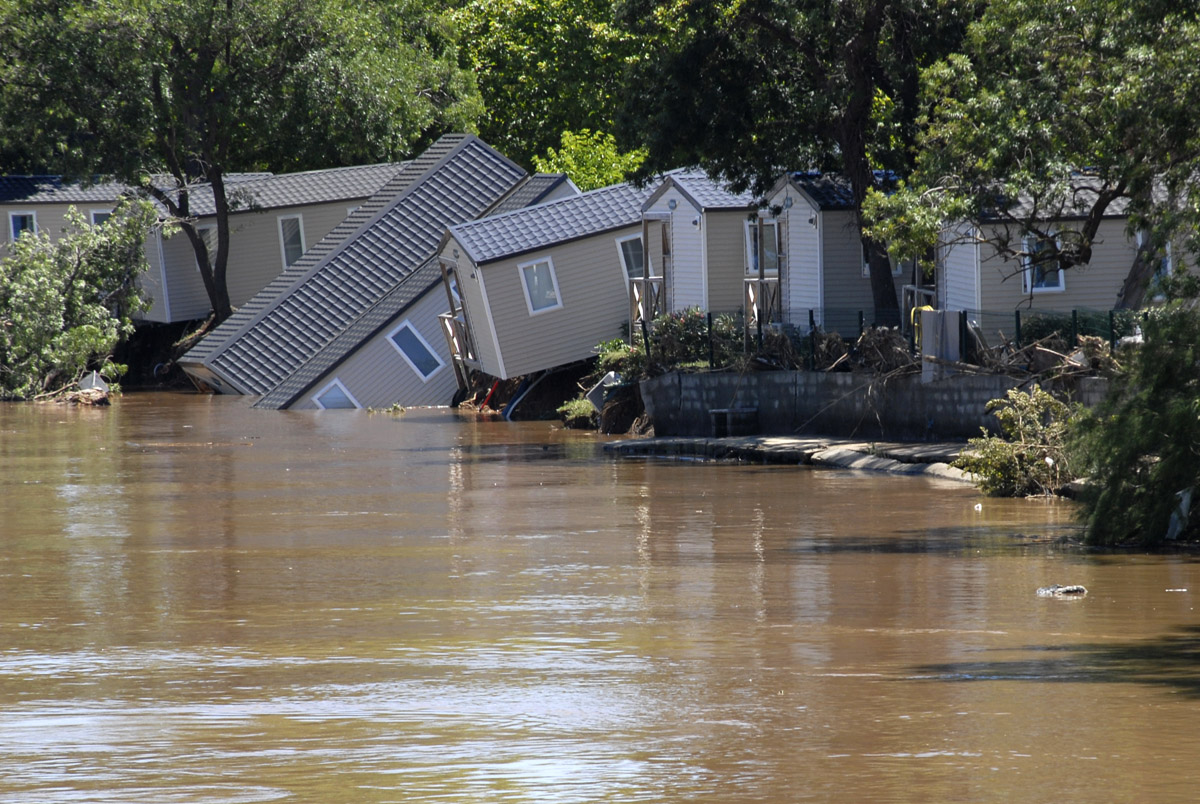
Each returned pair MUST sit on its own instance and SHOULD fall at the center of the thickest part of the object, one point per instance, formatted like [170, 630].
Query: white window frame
[92, 213]
[751, 231]
[283, 243]
[21, 213]
[521, 271]
[620, 241]
[335, 382]
[441, 364]
[1030, 243]
[201, 231]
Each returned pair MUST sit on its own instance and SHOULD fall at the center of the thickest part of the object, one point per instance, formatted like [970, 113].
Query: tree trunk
[1133, 292]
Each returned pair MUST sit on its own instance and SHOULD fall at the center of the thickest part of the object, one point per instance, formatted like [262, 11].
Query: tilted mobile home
[541, 286]
[289, 342]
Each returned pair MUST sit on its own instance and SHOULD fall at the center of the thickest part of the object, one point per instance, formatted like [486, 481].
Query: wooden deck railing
[458, 341]
[763, 301]
[647, 301]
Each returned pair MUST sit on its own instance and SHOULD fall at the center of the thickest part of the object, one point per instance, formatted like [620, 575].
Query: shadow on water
[1170, 661]
[955, 541]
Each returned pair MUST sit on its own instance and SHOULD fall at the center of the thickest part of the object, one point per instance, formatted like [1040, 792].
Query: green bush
[66, 304]
[1140, 446]
[682, 339]
[1030, 455]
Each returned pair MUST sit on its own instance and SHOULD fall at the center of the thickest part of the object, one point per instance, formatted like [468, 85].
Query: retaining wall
[842, 404]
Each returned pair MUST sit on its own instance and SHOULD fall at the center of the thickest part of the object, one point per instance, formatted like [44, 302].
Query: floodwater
[201, 603]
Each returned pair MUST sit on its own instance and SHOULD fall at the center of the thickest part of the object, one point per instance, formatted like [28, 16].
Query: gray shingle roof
[427, 278]
[533, 228]
[829, 191]
[312, 303]
[532, 190]
[362, 215]
[708, 193]
[251, 190]
[51, 190]
[299, 189]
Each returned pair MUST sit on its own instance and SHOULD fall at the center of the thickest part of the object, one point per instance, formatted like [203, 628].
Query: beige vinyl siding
[1091, 287]
[845, 289]
[801, 279]
[255, 257]
[51, 219]
[725, 236]
[378, 376]
[478, 315]
[594, 305]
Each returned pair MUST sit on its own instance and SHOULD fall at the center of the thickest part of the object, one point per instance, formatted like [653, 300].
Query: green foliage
[1141, 446]
[616, 355]
[590, 159]
[545, 67]
[682, 339]
[578, 413]
[751, 90]
[1030, 455]
[1071, 107]
[65, 305]
[187, 91]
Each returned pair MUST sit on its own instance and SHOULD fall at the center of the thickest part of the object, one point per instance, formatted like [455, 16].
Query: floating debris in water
[1075, 590]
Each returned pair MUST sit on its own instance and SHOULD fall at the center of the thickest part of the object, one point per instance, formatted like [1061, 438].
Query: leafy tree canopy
[65, 305]
[1057, 111]
[750, 89]
[590, 159]
[191, 90]
[545, 67]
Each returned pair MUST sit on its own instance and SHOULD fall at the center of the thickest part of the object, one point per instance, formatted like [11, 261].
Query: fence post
[646, 338]
[1074, 328]
[1017, 333]
[710, 342]
[812, 341]
[962, 335]
[861, 323]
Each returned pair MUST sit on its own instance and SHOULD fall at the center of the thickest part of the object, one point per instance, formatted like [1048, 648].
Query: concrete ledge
[928, 459]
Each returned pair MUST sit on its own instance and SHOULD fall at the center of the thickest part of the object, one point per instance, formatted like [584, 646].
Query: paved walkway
[915, 458]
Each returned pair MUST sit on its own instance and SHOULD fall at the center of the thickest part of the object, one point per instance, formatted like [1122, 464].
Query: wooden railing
[763, 301]
[647, 301]
[458, 341]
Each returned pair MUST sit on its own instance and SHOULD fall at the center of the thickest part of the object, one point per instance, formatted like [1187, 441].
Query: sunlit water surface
[204, 603]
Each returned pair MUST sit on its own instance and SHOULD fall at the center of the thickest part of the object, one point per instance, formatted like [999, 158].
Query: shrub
[679, 339]
[1140, 446]
[1030, 456]
[65, 305]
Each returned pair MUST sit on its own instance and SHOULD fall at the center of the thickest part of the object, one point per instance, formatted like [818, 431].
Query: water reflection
[204, 602]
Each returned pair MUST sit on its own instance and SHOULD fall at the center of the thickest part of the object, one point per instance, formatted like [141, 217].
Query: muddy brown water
[204, 603]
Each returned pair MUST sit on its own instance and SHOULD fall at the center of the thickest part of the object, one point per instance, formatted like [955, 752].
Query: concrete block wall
[840, 404]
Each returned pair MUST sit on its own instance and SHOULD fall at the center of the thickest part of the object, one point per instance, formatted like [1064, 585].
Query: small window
[291, 238]
[540, 286]
[633, 256]
[415, 350]
[99, 216]
[335, 397]
[770, 251]
[1042, 272]
[21, 222]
